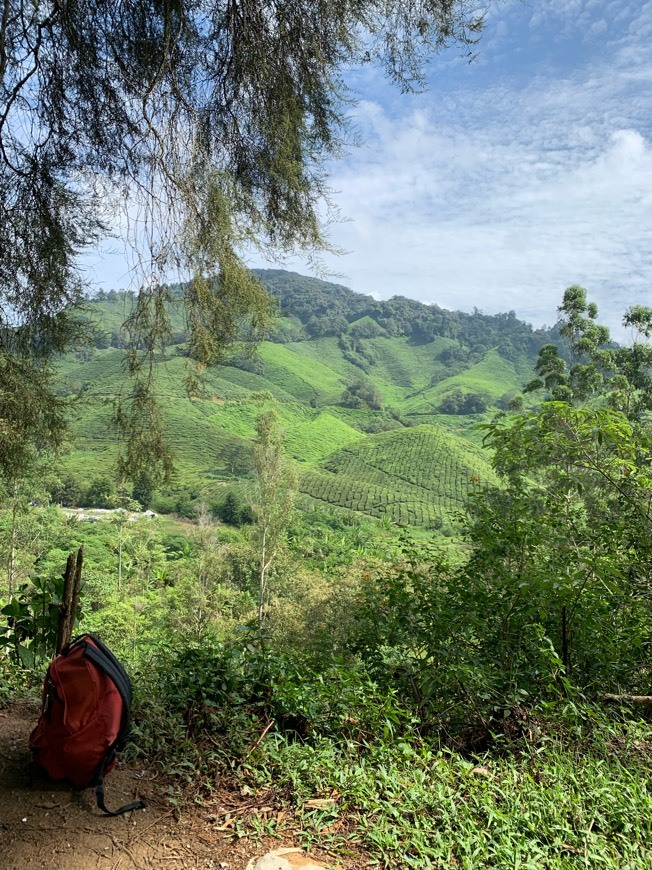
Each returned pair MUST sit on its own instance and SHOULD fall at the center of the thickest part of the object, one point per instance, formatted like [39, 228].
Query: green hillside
[370, 395]
[493, 376]
[416, 476]
[305, 379]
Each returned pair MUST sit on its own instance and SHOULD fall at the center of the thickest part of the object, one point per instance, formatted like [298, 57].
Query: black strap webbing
[105, 664]
[99, 791]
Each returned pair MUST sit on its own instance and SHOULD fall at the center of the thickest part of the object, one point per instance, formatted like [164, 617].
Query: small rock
[481, 771]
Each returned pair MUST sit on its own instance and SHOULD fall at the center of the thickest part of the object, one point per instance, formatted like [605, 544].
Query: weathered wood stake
[70, 599]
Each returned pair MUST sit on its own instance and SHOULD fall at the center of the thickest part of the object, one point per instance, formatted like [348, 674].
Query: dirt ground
[49, 825]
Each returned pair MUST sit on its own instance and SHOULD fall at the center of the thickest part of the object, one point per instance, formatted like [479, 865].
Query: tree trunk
[262, 583]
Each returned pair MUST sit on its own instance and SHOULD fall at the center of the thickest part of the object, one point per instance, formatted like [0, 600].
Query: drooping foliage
[193, 128]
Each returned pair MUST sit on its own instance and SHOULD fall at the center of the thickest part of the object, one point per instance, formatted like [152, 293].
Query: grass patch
[410, 805]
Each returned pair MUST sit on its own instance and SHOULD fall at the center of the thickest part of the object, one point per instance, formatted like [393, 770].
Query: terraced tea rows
[409, 506]
[306, 379]
[417, 476]
[331, 390]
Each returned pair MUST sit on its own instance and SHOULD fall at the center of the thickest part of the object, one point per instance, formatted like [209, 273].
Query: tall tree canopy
[192, 125]
[622, 375]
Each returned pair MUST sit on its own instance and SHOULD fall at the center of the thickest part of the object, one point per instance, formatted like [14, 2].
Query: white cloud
[510, 179]
[499, 197]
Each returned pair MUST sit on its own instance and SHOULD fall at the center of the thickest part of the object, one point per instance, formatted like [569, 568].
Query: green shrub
[212, 702]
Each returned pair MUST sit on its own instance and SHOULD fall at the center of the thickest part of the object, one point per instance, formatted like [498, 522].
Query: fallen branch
[628, 699]
[261, 738]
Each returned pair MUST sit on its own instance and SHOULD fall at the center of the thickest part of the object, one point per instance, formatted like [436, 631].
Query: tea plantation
[379, 401]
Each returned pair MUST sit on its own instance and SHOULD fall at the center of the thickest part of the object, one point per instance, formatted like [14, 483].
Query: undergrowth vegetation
[561, 784]
[481, 704]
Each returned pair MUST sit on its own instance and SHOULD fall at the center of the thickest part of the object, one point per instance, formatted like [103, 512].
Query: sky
[513, 176]
[510, 177]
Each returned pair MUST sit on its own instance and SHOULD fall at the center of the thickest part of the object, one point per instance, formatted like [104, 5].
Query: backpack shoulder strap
[103, 658]
[117, 674]
[99, 791]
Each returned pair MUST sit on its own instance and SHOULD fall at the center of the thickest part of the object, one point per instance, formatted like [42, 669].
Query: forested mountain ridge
[330, 309]
[312, 308]
[378, 400]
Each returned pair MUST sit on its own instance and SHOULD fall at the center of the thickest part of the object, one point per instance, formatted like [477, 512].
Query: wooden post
[66, 602]
[70, 599]
[75, 593]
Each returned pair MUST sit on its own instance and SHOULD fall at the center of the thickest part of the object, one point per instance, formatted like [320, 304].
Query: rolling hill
[373, 397]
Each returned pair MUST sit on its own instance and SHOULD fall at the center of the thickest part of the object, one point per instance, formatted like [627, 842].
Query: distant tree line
[101, 491]
[312, 309]
[326, 309]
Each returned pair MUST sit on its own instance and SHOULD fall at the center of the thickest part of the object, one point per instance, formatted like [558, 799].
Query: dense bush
[360, 394]
[232, 510]
[460, 402]
[222, 696]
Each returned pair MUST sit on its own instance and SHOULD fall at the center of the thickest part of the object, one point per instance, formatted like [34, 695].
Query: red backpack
[85, 717]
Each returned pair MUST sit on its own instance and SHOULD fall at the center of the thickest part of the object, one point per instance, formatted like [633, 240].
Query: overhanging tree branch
[210, 120]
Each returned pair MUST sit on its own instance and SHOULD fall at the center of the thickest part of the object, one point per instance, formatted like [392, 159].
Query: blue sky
[514, 176]
[509, 178]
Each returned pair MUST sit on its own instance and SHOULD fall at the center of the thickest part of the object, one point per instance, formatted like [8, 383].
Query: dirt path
[47, 825]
